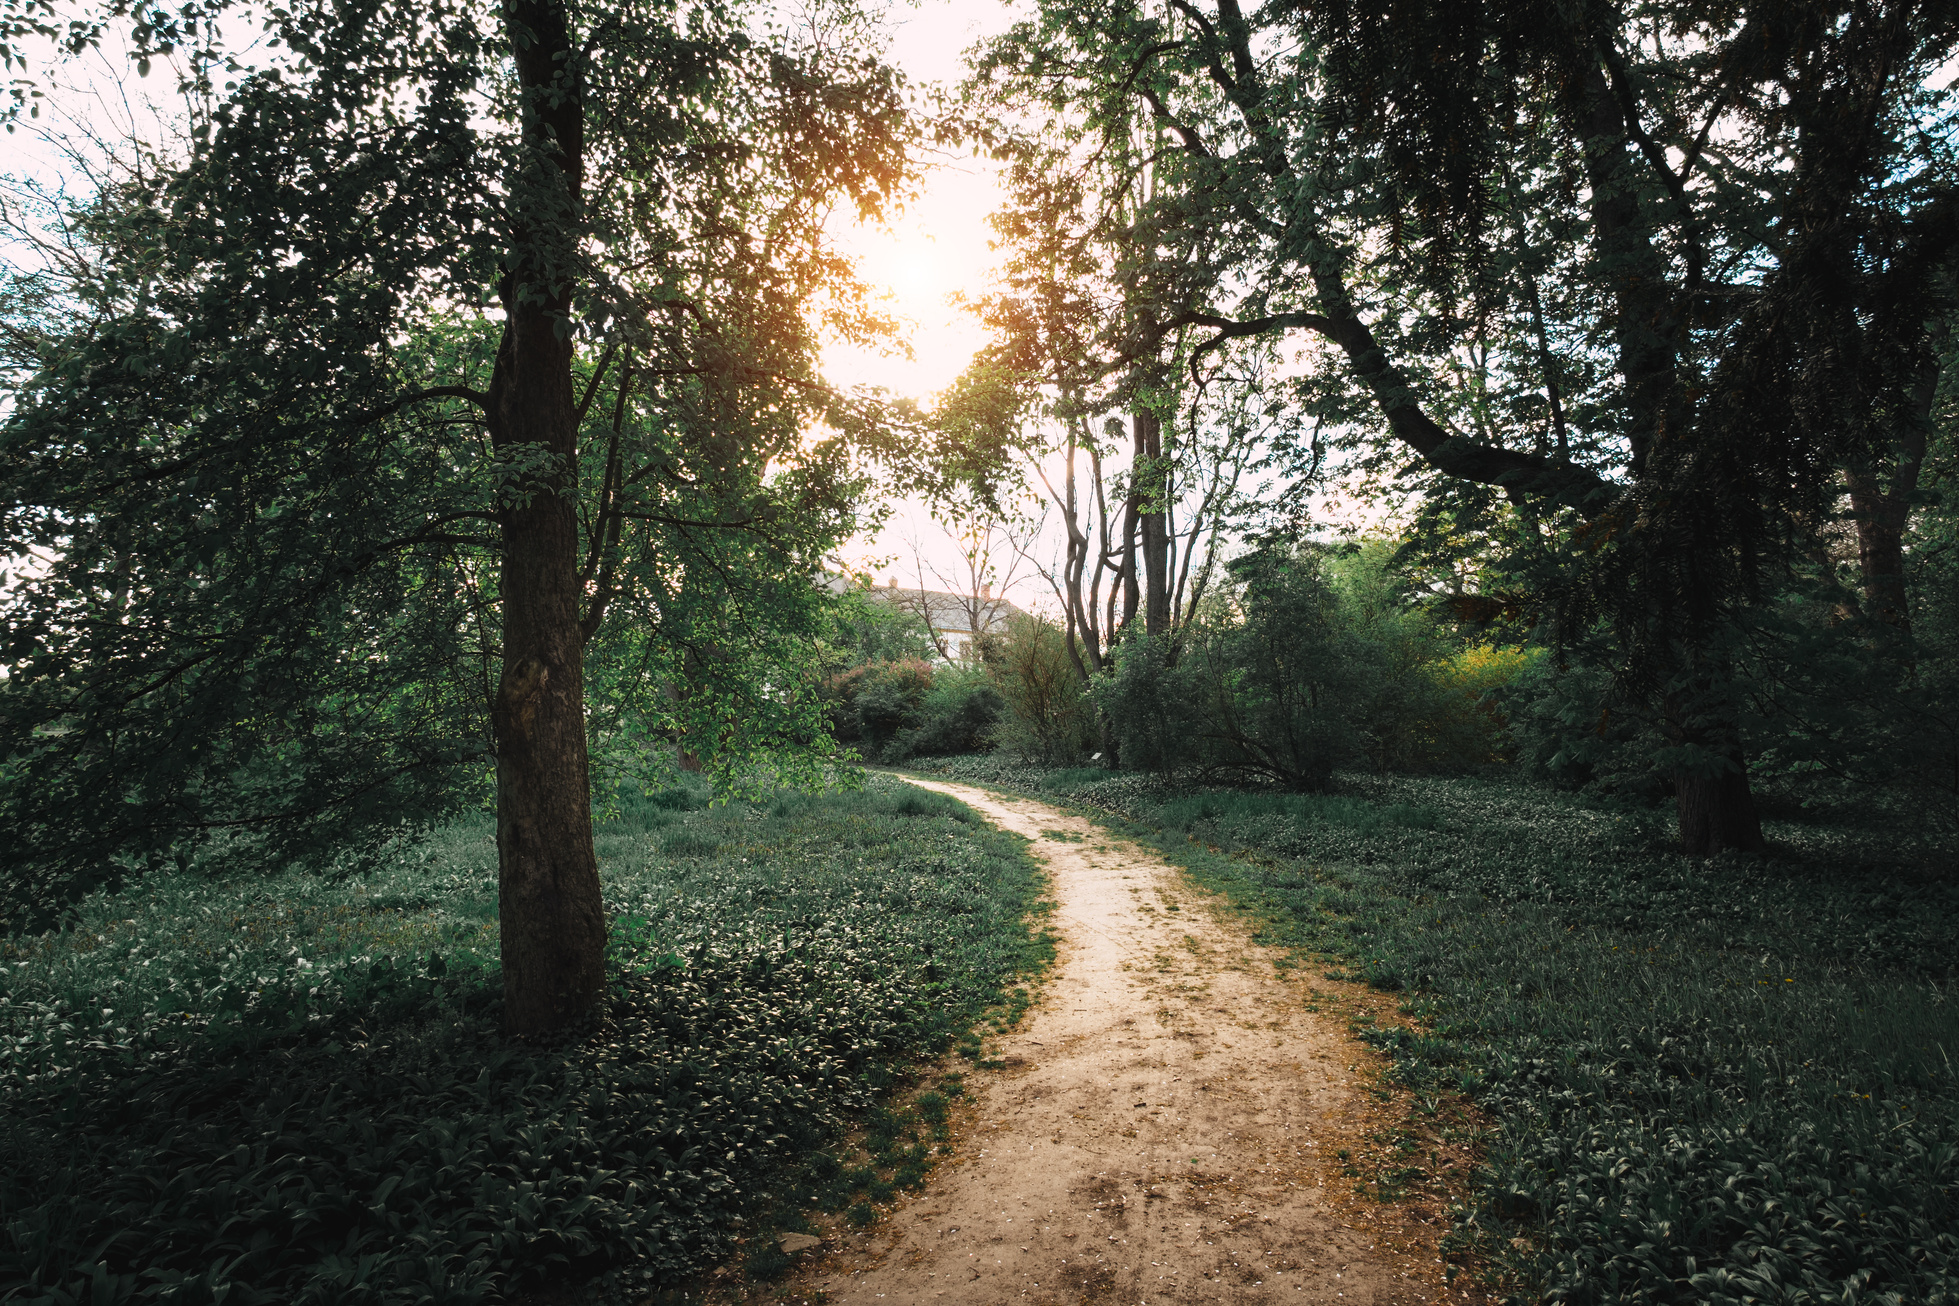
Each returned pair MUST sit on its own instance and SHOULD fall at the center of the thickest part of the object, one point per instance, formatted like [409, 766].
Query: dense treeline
[427, 416]
[1643, 308]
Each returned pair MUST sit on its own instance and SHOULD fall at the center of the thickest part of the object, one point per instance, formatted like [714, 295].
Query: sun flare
[917, 266]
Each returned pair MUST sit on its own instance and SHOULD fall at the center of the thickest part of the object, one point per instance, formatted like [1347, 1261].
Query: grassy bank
[291, 1090]
[1712, 1081]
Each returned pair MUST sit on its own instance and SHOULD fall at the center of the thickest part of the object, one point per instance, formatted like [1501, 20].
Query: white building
[954, 620]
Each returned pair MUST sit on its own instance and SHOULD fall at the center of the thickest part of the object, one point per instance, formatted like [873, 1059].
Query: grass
[292, 1090]
[1713, 1081]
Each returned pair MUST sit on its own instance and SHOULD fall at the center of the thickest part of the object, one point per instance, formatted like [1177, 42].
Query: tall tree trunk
[551, 911]
[1131, 590]
[1717, 812]
[1881, 519]
[1716, 809]
[1882, 513]
[1152, 522]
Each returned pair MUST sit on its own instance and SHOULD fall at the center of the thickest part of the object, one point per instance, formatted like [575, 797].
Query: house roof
[949, 614]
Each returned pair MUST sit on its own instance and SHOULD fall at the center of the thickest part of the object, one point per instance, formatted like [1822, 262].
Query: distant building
[954, 620]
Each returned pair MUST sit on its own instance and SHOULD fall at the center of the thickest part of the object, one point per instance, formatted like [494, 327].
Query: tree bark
[1717, 812]
[1883, 512]
[551, 912]
[1881, 520]
[1152, 522]
[1131, 589]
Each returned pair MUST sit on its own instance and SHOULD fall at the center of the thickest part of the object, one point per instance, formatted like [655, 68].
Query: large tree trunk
[551, 911]
[1716, 809]
[1882, 513]
[1881, 520]
[1717, 813]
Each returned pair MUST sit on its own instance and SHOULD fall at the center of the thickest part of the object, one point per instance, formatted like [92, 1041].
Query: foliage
[901, 709]
[1835, 710]
[286, 1089]
[1430, 703]
[961, 712]
[865, 631]
[1308, 660]
[1640, 270]
[1047, 717]
[1710, 1082]
[402, 332]
[871, 703]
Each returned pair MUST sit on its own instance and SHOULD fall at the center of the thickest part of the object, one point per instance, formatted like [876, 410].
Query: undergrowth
[289, 1090]
[1713, 1081]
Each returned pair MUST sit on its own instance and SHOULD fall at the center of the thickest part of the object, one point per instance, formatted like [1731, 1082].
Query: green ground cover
[292, 1090]
[1711, 1081]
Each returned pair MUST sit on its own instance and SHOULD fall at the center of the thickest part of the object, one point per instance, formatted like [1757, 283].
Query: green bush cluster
[1047, 717]
[895, 710]
[1309, 660]
[1718, 1081]
[289, 1090]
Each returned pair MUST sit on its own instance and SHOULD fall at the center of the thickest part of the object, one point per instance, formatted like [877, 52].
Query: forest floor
[1183, 1116]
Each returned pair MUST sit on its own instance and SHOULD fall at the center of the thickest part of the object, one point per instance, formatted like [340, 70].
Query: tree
[990, 548]
[445, 309]
[1661, 274]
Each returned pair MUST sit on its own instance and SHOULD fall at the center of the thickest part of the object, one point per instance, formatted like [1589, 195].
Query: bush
[1267, 684]
[958, 715]
[1427, 703]
[873, 703]
[897, 710]
[1047, 718]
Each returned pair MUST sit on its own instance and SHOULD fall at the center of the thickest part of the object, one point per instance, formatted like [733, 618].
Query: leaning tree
[1666, 276]
[447, 338]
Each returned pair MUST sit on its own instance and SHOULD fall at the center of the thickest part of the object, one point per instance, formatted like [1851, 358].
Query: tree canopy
[1662, 282]
[451, 341]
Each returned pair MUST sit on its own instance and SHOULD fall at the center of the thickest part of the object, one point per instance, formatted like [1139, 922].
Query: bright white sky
[939, 247]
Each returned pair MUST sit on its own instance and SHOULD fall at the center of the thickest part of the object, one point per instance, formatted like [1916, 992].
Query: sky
[938, 247]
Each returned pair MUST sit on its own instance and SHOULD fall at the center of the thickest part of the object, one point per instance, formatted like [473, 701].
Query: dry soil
[1176, 1123]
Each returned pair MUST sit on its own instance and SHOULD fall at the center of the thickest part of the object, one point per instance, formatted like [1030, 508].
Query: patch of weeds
[766, 1261]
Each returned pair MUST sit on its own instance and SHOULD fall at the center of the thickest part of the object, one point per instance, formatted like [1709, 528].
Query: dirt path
[1164, 1130]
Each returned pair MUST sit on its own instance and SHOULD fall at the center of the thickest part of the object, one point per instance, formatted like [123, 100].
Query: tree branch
[477, 397]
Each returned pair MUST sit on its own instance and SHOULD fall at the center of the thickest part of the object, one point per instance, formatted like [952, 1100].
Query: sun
[916, 266]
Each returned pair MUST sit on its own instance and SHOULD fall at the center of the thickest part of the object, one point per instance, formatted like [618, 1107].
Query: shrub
[958, 715]
[896, 710]
[1266, 684]
[1047, 718]
[873, 703]
[1426, 702]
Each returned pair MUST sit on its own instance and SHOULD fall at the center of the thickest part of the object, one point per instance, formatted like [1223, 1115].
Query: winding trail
[1165, 1130]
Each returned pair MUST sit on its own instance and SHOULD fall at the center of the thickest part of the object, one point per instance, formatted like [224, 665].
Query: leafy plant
[281, 1088]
